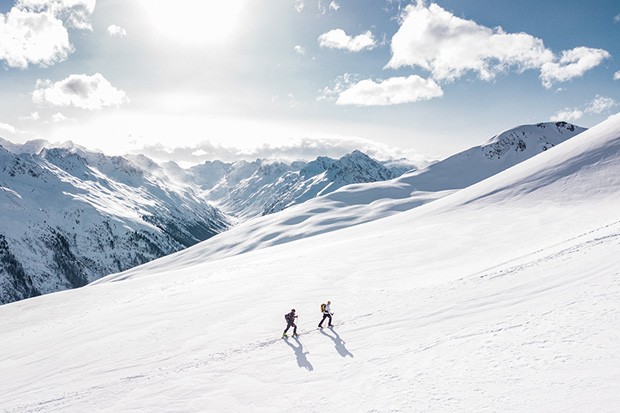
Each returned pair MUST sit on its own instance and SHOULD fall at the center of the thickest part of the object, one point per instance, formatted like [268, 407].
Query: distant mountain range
[359, 203]
[249, 189]
[71, 216]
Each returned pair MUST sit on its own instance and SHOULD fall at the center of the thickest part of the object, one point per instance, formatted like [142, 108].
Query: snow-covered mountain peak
[248, 189]
[69, 161]
[36, 146]
[533, 138]
[71, 216]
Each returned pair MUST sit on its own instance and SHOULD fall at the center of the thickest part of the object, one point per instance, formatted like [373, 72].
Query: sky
[197, 80]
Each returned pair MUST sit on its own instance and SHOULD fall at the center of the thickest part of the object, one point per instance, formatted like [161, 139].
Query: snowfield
[502, 296]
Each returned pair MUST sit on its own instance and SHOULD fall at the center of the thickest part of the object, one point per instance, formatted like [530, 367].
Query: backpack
[287, 317]
[322, 308]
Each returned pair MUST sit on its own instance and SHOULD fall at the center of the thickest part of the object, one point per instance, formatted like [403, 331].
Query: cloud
[82, 91]
[7, 127]
[617, 18]
[450, 47]
[596, 106]
[600, 104]
[617, 75]
[393, 91]
[567, 115]
[32, 116]
[60, 118]
[35, 31]
[338, 39]
[299, 5]
[116, 31]
[300, 50]
[334, 6]
[32, 38]
[573, 63]
[342, 83]
[76, 13]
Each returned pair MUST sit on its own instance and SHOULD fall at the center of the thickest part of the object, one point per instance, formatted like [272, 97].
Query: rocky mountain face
[70, 217]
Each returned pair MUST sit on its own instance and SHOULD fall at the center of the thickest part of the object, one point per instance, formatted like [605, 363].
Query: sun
[194, 22]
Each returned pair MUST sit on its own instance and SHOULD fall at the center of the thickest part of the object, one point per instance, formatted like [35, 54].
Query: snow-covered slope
[70, 216]
[358, 203]
[500, 297]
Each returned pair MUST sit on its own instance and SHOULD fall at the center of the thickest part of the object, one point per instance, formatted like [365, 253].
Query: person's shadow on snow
[339, 342]
[302, 360]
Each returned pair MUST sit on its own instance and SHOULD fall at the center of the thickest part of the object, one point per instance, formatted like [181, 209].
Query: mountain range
[359, 203]
[72, 216]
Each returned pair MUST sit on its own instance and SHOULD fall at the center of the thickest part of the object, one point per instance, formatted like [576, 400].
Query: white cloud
[299, 5]
[392, 91]
[35, 31]
[573, 63]
[7, 127]
[334, 6]
[617, 18]
[617, 75]
[567, 115]
[292, 102]
[76, 13]
[449, 47]
[82, 91]
[300, 50]
[59, 118]
[116, 31]
[600, 104]
[597, 105]
[32, 38]
[32, 116]
[342, 83]
[338, 39]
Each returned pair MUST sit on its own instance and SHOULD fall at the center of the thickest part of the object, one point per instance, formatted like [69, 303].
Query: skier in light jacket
[327, 313]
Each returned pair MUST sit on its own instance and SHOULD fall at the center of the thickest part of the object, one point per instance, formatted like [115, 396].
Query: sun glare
[195, 22]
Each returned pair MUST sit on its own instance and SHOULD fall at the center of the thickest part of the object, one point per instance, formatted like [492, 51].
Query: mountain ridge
[360, 203]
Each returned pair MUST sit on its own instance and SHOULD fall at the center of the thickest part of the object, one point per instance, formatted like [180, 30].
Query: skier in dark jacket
[290, 322]
[327, 313]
